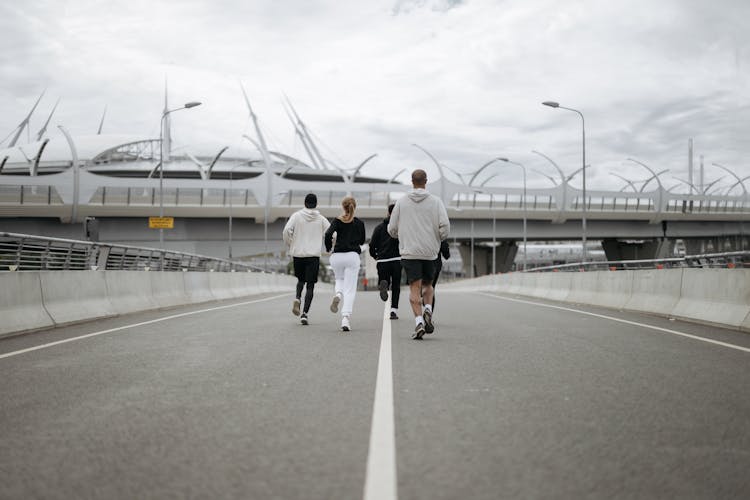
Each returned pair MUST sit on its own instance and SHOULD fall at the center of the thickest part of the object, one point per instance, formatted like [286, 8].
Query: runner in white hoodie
[420, 222]
[303, 233]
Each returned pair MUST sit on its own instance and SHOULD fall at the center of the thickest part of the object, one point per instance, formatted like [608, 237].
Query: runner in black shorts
[420, 222]
[303, 233]
[306, 269]
[418, 270]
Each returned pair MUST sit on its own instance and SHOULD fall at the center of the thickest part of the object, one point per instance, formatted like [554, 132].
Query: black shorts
[418, 270]
[306, 269]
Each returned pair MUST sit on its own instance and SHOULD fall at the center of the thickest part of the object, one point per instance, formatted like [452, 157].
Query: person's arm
[288, 232]
[393, 224]
[445, 250]
[362, 236]
[375, 241]
[444, 224]
[329, 236]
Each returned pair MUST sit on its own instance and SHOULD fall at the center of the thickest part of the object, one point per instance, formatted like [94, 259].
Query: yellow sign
[161, 222]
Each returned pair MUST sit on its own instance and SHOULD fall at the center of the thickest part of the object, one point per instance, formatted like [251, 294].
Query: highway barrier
[73, 296]
[21, 303]
[710, 296]
[33, 300]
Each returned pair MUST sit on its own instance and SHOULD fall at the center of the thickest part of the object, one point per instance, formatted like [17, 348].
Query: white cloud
[463, 79]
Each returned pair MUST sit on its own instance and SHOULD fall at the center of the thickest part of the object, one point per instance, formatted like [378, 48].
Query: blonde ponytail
[349, 204]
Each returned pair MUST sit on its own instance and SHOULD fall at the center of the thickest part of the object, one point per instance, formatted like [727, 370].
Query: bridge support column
[624, 250]
[505, 255]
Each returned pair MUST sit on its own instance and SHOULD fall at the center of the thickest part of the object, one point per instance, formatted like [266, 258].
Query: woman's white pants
[346, 271]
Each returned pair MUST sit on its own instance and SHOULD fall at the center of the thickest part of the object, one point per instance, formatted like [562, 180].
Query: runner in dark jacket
[384, 250]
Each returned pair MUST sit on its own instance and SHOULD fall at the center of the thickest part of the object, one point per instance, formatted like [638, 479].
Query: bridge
[565, 385]
[629, 224]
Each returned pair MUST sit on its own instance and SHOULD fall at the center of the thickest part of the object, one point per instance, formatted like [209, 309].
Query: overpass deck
[523, 400]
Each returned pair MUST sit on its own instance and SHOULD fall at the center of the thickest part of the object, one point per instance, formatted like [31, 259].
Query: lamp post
[231, 192]
[506, 160]
[553, 104]
[166, 112]
[494, 233]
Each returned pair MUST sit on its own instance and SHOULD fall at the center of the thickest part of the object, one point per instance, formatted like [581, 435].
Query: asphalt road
[508, 399]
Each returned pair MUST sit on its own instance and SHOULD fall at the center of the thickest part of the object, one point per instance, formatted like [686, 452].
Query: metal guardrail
[24, 252]
[732, 260]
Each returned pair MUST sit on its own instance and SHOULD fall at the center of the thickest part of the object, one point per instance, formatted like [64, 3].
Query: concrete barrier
[220, 286]
[716, 296]
[168, 289]
[560, 284]
[71, 296]
[129, 291]
[655, 291]
[515, 282]
[197, 287]
[21, 306]
[613, 288]
[582, 288]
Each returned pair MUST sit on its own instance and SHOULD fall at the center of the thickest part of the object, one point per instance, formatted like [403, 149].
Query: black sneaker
[303, 319]
[428, 326]
[383, 287]
[418, 332]
[394, 315]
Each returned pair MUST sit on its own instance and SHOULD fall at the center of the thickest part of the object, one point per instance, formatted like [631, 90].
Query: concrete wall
[32, 300]
[711, 296]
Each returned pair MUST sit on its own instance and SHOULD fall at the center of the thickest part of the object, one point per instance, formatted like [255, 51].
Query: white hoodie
[304, 233]
[420, 223]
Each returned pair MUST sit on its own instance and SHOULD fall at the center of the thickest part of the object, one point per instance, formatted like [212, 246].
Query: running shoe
[303, 319]
[383, 287]
[335, 303]
[295, 307]
[418, 332]
[394, 315]
[428, 326]
[345, 326]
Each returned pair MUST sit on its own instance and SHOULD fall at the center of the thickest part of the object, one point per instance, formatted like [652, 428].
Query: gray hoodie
[304, 232]
[420, 223]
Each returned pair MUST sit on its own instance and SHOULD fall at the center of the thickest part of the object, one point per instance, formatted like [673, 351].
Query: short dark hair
[419, 177]
[390, 208]
[311, 201]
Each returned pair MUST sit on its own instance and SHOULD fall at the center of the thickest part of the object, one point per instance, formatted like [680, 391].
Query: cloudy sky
[463, 78]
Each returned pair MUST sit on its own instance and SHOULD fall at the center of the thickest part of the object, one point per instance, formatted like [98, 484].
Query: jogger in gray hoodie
[420, 222]
[303, 233]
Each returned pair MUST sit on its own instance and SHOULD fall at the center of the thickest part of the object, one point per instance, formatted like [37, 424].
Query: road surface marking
[380, 479]
[634, 323]
[134, 325]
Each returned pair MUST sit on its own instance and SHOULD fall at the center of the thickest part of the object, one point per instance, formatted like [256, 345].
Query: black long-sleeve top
[349, 236]
[382, 246]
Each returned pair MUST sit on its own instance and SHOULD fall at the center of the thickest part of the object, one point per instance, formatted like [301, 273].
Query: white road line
[135, 325]
[380, 479]
[634, 323]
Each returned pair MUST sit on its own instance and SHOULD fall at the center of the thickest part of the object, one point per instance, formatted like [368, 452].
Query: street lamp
[166, 112]
[524, 206]
[553, 104]
[231, 195]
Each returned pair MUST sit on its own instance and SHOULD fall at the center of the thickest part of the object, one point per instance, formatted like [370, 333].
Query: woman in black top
[345, 261]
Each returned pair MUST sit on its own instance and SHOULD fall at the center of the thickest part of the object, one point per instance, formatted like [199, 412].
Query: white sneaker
[345, 326]
[295, 307]
[335, 303]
